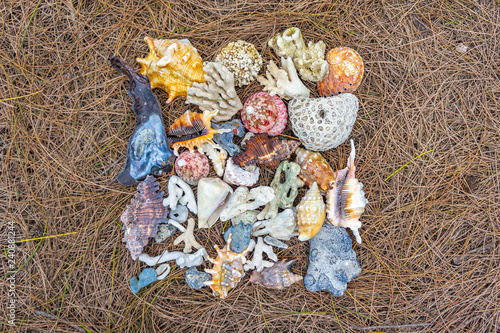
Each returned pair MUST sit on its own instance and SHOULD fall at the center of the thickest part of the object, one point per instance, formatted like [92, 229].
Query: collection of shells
[319, 123]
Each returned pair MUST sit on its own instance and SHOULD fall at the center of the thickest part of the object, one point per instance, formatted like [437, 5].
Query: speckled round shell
[263, 113]
[311, 213]
[242, 59]
[192, 166]
[345, 72]
[314, 168]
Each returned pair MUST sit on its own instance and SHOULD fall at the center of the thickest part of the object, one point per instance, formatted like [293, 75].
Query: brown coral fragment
[278, 276]
[266, 151]
[142, 216]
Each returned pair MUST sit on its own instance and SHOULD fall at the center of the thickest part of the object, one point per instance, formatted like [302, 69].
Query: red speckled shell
[314, 168]
[345, 72]
[192, 166]
[263, 113]
[266, 151]
[142, 216]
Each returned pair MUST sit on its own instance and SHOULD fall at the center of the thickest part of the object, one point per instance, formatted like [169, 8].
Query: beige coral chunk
[188, 238]
[283, 82]
[216, 154]
[216, 93]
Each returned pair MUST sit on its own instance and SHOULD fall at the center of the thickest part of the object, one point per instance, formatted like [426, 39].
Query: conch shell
[191, 130]
[310, 213]
[345, 72]
[278, 276]
[346, 200]
[314, 168]
[227, 270]
[172, 65]
[142, 216]
[213, 197]
[269, 152]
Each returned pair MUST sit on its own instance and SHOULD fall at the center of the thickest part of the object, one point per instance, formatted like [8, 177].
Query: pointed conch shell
[172, 65]
[278, 276]
[213, 196]
[310, 213]
[346, 200]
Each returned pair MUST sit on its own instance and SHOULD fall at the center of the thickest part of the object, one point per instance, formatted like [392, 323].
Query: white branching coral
[257, 261]
[283, 82]
[188, 238]
[216, 93]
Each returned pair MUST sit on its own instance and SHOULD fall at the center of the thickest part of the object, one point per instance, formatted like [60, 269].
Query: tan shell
[314, 168]
[278, 276]
[310, 213]
[172, 65]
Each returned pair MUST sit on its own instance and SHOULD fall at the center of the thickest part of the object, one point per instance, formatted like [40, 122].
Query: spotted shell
[263, 113]
[310, 213]
[191, 130]
[345, 72]
[278, 276]
[172, 65]
[346, 200]
[242, 59]
[266, 151]
[192, 166]
[142, 216]
[314, 168]
[227, 270]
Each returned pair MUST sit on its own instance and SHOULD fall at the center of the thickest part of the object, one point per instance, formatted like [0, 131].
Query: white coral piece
[257, 261]
[286, 44]
[188, 238]
[283, 227]
[237, 176]
[217, 155]
[283, 82]
[243, 200]
[181, 259]
[180, 192]
[216, 93]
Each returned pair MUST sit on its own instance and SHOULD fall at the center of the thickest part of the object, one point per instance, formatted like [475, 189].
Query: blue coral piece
[195, 279]
[332, 261]
[147, 276]
[240, 238]
[225, 140]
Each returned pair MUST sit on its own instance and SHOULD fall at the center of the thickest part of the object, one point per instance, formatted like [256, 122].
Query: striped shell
[314, 168]
[310, 213]
[263, 113]
[345, 72]
[278, 276]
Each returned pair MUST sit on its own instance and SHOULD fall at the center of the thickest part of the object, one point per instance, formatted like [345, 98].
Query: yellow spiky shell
[227, 270]
[310, 213]
[172, 65]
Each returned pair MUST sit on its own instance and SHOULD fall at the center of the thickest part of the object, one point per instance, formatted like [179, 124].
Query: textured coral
[310, 213]
[243, 200]
[227, 270]
[242, 59]
[225, 140]
[283, 81]
[216, 154]
[258, 261]
[191, 130]
[283, 226]
[235, 175]
[180, 192]
[323, 123]
[266, 151]
[345, 72]
[216, 93]
[172, 65]
[263, 113]
[188, 238]
[181, 259]
[142, 216]
[192, 166]
[314, 168]
[278, 276]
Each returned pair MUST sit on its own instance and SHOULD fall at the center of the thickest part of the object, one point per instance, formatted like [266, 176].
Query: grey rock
[164, 231]
[240, 238]
[332, 261]
[195, 278]
[147, 276]
[270, 240]
[179, 214]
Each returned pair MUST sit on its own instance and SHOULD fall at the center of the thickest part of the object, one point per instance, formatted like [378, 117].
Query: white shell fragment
[188, 238]
[243, 200]
[216, 154]
[257, 261]
[269, 240]
[237, 176]
[162, 271]
[283, 227]
[180, 192]
[213, 196]
[181, 259]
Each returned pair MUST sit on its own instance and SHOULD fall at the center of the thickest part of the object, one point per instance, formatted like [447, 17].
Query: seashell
[346, 200]
[323, 123]
[310, 213]
[235, 175]
[257, 262]
[225, 140]
[283, 226]
[142, 216]
[147, 149]
[216, 154]
[213, 196]
[263, 113]
[173, 65]
[266, 151]
[285, 192]
[345, 72]
[243, 200]
[191, 130]
[242, 59]
[216, 93]
[227, 270]
[278, 276]
[314, 168]
[192, 166]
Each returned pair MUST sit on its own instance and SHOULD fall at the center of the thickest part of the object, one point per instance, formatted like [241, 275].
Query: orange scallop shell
[345, 72]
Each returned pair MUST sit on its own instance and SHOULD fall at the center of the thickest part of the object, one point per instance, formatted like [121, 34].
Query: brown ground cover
[66, 118]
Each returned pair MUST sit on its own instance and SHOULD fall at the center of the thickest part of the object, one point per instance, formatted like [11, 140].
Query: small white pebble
[461, 48]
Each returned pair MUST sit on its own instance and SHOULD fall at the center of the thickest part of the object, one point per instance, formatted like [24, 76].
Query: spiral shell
[192, 166]
[345, 72]
[310, 213]
[278, 276]
[235, 175]
[263, 113]
[314, 168]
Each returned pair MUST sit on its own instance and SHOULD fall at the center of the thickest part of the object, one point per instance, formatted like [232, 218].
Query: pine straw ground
[66, 119]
